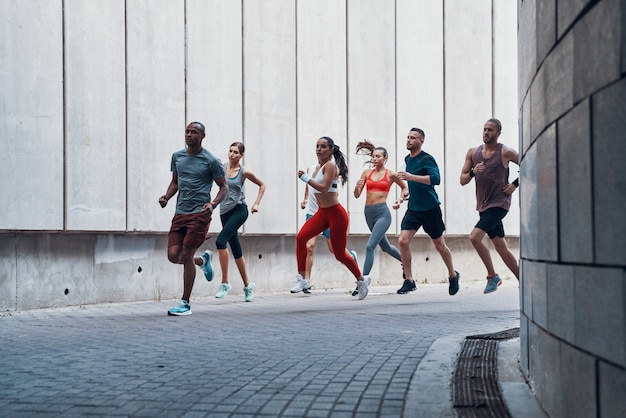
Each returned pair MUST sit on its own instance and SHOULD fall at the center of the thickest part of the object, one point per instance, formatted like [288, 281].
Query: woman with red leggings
[331, 214]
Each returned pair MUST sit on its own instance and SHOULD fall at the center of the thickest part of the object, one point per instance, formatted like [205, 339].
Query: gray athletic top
[195, 173]
[235, 194]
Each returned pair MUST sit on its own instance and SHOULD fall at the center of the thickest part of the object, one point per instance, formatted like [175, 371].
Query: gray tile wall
[575, 185]
[572, 105]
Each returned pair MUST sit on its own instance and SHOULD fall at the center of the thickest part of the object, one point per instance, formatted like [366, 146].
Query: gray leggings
[378, 218]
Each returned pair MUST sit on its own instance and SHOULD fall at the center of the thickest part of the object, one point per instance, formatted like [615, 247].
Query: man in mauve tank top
[488, 165]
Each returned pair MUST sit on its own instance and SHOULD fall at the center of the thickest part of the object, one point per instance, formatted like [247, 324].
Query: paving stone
[283, 355]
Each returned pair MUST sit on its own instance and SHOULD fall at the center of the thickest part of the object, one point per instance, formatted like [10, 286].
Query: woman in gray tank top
[233, 214]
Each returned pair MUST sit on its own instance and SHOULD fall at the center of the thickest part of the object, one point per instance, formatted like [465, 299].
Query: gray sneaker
[301, 284]
[492, 284]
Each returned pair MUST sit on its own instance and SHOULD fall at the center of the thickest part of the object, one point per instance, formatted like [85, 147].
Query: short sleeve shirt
[196, 173]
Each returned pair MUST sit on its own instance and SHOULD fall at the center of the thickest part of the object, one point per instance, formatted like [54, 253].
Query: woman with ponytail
[233, 214]
[377, 181]
[331, 214]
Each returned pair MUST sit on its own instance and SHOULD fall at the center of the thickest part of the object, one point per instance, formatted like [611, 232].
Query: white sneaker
[363, 286]
[301, 284]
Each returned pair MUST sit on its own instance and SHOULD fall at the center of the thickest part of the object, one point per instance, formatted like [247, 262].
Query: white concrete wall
[31, 115]
[505, 97]
[420, 79]
[96, 96]
[103, 90]
[321, 83]
[468, 100]
[371, 89]
[155, 104]
[95, 115]
[269, 114]
[214, 72]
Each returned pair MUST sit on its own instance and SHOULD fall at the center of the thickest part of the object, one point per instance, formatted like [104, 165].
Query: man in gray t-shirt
[194, 170]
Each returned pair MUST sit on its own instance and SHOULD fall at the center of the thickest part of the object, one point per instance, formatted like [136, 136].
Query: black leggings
[231, 222]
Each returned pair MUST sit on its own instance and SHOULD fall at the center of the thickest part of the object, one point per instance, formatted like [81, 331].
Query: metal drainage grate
[476, 392]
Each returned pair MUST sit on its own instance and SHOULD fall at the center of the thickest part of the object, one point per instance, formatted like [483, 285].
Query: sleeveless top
[381, 185]
[490, 182]
[235, 194]
[311, 204]
[319, 178]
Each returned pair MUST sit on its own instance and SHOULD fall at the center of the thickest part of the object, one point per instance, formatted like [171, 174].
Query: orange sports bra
[381, 185]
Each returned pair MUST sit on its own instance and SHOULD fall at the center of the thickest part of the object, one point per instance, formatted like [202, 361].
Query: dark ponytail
[340, 159]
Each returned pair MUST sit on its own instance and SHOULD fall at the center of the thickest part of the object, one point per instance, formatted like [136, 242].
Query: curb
[430, 389]
[430, 392]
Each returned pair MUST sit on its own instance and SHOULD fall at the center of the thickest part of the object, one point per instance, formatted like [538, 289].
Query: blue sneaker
[183, 308]
[492, 284]
[207, 267]
[249, 291]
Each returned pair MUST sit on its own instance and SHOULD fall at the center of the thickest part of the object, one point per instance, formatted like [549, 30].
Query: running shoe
[354, 256]
[492, 284]
[223, 290]
[301, 284]
[453, 287]
[249, 291]
[183, 308]
[407, 286]
[363, 286]
[206, 266]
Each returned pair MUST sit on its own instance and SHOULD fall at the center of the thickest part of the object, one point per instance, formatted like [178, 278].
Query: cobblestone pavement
[321, 355]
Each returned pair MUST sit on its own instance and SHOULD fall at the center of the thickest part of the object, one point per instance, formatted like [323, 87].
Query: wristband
[471, 172]
[515, 182]
[305, 177]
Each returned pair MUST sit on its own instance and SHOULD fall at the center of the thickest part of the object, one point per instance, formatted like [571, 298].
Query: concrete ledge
[48, 270]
